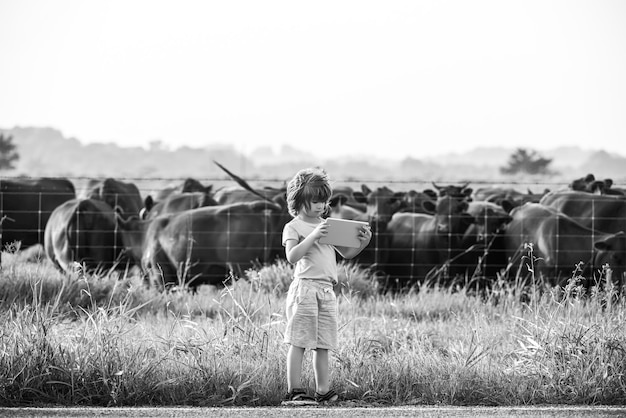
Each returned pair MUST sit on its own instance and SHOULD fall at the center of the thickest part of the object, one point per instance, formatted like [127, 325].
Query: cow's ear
[608, 243]
[338, 200]
[108, 186]
[429, 206]
[507, 205]
[359, 197]
[365, 189]
[601, 245]
[430, 193]
[119, 211]
[148, 202]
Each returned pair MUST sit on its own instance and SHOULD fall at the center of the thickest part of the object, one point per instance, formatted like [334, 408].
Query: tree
[8, 154]
[526, 161]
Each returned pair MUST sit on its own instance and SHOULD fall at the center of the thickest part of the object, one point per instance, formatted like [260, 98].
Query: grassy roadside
[107, 340]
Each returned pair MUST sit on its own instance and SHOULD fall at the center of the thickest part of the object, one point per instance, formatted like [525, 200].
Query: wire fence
[474, 238]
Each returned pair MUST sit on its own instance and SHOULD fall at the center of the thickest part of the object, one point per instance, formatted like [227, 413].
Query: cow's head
[413, 201]
[450, 214]
[611, 251]
[488, 219]
[457, 192]
[582, 183]
[191, 185]
[381, 203]
[118, 194]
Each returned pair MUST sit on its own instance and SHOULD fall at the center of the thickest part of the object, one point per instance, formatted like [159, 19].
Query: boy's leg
[321, 370]
[294, 367]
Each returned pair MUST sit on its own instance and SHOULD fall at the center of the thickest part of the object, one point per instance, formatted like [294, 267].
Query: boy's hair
[308, 185]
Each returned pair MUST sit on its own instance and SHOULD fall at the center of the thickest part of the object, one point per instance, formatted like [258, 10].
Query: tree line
[521, 161]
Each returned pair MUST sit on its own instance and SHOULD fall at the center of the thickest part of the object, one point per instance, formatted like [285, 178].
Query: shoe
[298, 397]
[330, 396]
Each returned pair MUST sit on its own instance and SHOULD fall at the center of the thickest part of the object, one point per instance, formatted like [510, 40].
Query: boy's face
[315, 210]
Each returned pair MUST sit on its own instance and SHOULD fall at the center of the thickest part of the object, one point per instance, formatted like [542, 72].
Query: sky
[388, 79]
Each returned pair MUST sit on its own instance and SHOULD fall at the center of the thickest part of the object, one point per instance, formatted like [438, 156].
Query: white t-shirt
[320, 262]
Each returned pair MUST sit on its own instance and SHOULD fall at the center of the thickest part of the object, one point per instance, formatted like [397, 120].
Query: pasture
[82, 339]
[538, 329]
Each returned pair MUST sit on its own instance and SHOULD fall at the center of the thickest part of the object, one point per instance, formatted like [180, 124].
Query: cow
[458, 192]
[611, 252]
[584, 184]
[26, 205]
[117, 194]
[83, 232]
[507, 196]
[413, 200]
[481, 257]
[204, 245]
[234, 194]
[189, 185]
[344, 195]
[605, 213]
[590, 184]
[176, 202]
[245, 193]
[556, 247]
[422, 242]
[380, 205]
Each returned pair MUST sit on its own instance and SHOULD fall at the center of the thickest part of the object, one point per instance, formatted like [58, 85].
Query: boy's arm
[295, 250]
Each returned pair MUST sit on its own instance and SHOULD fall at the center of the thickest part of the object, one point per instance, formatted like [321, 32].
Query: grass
[108, 340]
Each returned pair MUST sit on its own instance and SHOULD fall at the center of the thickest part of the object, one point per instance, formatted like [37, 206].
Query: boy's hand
[365, 233]
[320, 230]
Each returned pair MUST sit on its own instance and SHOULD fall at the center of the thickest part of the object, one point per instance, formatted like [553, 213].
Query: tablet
[343, 232]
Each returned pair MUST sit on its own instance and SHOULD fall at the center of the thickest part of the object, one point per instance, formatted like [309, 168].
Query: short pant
[311, 314]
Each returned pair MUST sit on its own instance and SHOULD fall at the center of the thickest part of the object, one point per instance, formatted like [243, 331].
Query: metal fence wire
[474, 237]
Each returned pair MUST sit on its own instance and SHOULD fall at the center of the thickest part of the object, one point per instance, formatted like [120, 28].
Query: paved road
[408, 411]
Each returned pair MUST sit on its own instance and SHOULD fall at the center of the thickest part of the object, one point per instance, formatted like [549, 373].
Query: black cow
[26, 206]
[344, 195]
[420, 242]
[605, 213]
[507, 197]
[458, 192]
[482, 255]
[189, 185]
[201, 246]
[235, 194]
[117, 194]
[380, 205]
[246, 193]
[83, 231]
[413, 200]
[176, 202]
[559, 245]
[611, 251]
[590, 184]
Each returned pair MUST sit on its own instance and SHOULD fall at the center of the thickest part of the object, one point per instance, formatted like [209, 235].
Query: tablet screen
[343, 232]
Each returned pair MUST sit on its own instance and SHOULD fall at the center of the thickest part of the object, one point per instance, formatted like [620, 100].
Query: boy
[311, 306]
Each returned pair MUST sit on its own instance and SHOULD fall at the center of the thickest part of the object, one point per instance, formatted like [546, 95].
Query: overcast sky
[387, 78]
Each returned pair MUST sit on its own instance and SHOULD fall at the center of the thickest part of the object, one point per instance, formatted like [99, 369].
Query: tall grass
[108, 340]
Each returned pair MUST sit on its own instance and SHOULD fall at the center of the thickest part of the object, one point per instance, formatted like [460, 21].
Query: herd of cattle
[194, 234]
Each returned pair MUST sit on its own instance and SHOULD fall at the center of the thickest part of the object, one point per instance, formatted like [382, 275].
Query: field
[109, 340]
